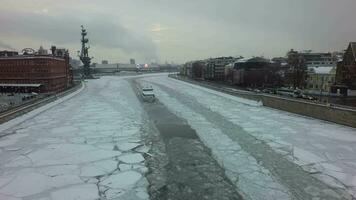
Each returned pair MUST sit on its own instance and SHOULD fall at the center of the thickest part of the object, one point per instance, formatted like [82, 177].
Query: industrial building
[35, 71]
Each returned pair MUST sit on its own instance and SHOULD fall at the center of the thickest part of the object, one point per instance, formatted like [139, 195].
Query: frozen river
[94, 143]
[87, 147]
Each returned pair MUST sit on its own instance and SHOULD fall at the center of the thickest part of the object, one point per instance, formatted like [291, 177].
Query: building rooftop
[253, 60]
[31, 53]
[322, 70]
[17, 57]
[19, 85]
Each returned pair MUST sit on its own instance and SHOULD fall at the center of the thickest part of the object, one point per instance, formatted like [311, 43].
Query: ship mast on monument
[84, 55]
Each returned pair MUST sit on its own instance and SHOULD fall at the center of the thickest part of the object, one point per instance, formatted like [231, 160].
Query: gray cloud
[6, 46]
[316, 24]
[198, 29]
[103, 31]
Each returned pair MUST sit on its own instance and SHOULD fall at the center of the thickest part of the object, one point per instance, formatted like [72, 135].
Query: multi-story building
[256, 72]
[345, 81]
[35, 71]
[215, 68]
[194, 69]
[319, 59]
[320, 80]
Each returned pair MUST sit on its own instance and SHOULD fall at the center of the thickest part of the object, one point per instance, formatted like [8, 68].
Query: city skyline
[177, 31]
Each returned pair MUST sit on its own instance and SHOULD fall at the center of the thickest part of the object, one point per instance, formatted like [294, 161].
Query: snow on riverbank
[39, 110]
[220, 94]
[324, 149]
[82, 148]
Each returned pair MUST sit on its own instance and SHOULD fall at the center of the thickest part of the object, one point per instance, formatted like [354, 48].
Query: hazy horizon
[176, 31]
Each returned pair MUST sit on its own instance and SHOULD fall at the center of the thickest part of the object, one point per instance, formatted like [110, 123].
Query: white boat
[148, 94]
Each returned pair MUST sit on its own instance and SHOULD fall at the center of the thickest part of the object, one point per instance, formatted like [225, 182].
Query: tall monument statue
[84, 54]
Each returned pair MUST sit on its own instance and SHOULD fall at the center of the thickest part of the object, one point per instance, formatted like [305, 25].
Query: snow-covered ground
[325, 150]
[87, 147]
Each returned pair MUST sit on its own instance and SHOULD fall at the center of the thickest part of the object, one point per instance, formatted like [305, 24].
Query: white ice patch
[122, 180]
[13, 149]
[98, 168]
[11, 139]
[19, 161]
[29, 182]
[220, 94]
[132, 158]
[26, 184]
[69, 154]
[64, 130]
[49, 140]
[5, 180]
[305, 157]
[58, 170]
[143, 149]
[125, 167]
[6, 197]
[77, 192]
[61, 181]
[127, 146]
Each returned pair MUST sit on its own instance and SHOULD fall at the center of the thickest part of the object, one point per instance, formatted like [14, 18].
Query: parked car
[269, 91]
[290, 93]
[307, 97]
[257, 90]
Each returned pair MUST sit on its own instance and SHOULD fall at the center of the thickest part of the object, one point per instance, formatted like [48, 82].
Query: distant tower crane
[84, 54]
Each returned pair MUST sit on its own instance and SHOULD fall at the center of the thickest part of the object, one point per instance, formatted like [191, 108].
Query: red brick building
[345, 80]
[37, 72]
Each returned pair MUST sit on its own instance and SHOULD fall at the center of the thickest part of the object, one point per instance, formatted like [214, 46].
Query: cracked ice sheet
[58, 154]
[242, 169]
[98, 168]
[308, 141]
[80, 192]
[28, 182]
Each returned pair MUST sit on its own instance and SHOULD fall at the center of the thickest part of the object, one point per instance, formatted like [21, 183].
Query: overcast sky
[179, 30]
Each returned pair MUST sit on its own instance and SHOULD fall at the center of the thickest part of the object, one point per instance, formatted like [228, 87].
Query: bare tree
[297, 64]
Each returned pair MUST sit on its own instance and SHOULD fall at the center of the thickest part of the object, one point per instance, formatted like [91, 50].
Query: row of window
[324, 87]
[8, 63]
[41, 69]
[14, 71]
[320, 63]
[322, 78]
